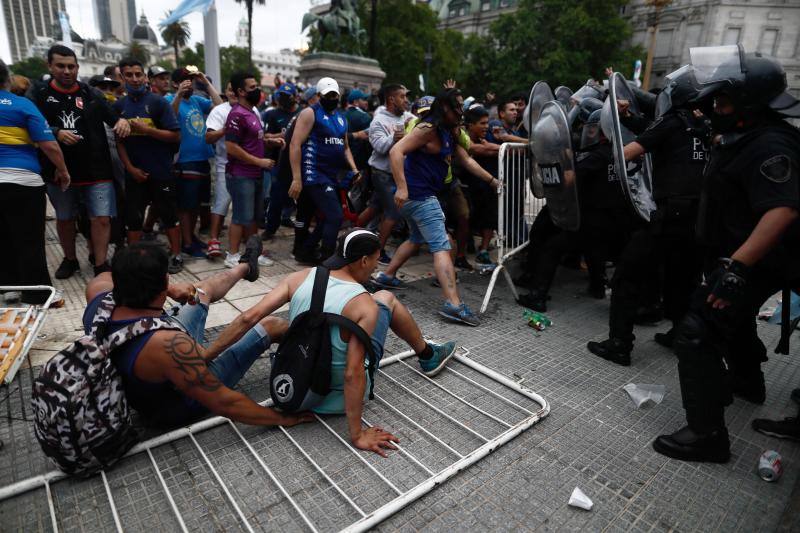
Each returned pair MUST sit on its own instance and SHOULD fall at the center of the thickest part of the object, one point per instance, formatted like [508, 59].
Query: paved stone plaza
[594, 437]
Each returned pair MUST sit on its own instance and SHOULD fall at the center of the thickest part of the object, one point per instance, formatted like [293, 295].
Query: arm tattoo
[183, 350]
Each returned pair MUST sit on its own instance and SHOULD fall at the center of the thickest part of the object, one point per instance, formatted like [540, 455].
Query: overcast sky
[275, 26]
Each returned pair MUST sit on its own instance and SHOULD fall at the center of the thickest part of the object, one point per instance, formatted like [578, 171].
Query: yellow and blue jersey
[21, 127]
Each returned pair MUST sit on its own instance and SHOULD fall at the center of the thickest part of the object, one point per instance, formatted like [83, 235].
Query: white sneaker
[231, 260]
[265, 261]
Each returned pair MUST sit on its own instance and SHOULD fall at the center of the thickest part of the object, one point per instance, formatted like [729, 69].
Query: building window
[733, 35]
[768, 43]
[504, 3]
[664, 43]
[486, 5]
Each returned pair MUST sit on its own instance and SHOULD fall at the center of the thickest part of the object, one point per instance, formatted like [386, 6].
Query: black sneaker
[535, 300]
[175, 264]
[788, 428]
[67, 268]
[252, 250]
[105, 267]
[614, 350]
[665, 339]
[462, 263]
[307, 257]
[686, 445]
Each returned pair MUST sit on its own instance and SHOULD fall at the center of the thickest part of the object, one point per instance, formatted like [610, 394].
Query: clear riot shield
[541, 93]
[563, 95]
[555, 165]
[636, 176]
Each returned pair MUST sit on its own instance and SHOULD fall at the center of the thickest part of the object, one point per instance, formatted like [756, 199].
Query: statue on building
[341, 19]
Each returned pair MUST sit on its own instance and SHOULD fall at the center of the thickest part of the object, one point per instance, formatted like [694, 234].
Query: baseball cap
[309, 93]
[351, 247]
[422, 105]
[327, 85]
[286, 88]
[356, 94]
[99, 79]
[155, 70]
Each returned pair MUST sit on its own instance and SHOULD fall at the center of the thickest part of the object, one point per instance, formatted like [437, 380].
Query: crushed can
[537, 321]
[769, 466]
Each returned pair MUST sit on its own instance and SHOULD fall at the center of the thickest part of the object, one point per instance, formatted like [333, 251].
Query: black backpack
[301, 368]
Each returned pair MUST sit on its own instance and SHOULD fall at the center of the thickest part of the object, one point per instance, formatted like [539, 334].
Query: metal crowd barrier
[517, 207]
[454, 398]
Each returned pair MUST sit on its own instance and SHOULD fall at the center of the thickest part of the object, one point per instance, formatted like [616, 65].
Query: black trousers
[662, 250]
[22, 212]
[715, 347]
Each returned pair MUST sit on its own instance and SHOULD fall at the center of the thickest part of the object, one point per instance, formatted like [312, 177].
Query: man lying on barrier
[169, 377]
[354, 261]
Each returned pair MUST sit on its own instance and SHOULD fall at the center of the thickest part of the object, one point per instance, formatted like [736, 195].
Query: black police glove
[729, 279]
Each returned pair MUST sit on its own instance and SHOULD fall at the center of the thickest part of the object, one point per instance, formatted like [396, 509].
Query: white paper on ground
[642, 393]
[580, 500]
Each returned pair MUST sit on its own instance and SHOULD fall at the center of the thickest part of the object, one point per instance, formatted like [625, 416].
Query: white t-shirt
[216, 121]
[20, 176]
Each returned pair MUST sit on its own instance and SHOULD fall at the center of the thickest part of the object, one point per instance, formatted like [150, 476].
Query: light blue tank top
[338, 294]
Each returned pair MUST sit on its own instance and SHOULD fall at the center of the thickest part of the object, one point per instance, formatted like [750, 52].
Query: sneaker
[12, 297]
[251, 255]
[265, 261]
[462, 263]
[193, 250]
[175, 264]
[384, 259]
[231, 260]
[788, 428]
[388, 282]
[307, 257]
[441, 354]
[58, 300]
[198, 242]
[535, 300]
[214, 249]
[483, 258]
[287, 222]
[105, 267]
[614, 350]
[67, 268]
[459, 313]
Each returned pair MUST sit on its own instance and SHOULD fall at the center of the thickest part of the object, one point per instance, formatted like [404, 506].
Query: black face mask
[188, 93]
[254, 96]
[329, 104]
[723, 123]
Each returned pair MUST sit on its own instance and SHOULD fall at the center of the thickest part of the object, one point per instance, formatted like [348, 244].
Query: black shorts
[160, 193]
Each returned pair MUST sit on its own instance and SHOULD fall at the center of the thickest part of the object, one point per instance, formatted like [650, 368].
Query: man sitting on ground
[354, 261]
[169, 377]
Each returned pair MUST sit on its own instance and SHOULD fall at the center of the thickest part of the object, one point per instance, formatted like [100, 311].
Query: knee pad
[690, 335]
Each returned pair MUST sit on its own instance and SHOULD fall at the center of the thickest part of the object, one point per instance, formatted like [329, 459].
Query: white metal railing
[365, 520]
[517, 208]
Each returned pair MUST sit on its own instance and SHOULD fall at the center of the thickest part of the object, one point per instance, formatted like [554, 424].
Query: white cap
[327, 85]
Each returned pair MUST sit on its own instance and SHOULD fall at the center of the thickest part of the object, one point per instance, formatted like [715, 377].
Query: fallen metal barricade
[517, 207]
[467, 412]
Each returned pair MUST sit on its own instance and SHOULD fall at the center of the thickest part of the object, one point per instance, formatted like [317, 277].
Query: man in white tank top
[354, 261]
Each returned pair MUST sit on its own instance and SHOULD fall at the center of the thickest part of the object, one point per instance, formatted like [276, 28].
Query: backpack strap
[344, 322]
[140, 327]
[318, 293]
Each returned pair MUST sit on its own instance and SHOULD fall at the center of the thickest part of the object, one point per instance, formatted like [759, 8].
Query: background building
[115, 18]
[470, 16]
[26, 20]
[283, 63]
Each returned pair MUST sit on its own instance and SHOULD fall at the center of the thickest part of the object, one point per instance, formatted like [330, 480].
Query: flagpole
[211, 47]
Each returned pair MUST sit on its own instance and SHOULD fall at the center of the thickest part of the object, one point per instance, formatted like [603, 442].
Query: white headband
[350, 236]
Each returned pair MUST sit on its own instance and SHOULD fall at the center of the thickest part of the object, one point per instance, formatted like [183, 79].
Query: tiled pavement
[594, 438]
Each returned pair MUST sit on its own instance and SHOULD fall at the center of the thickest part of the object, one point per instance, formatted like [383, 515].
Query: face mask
[135, 91]
[723, 123]
[188, 94]
[329, 104]
[254, 96]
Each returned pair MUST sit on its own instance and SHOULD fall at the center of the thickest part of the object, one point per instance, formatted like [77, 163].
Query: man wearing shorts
[147, 155]
[77, 115]
[352, 264]
[192, 171]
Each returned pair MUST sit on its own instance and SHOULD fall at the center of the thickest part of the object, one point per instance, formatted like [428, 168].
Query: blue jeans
[231, 365]
[246, 198]
[279, 199]
[99, 199]
[426, 223]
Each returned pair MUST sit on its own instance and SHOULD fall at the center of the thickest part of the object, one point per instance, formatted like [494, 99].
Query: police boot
[665, 339]
[687, 445]
[615, 350]
[750, 388]
[536, 300]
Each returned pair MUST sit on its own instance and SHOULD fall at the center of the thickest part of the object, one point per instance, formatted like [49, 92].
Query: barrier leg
[489, 289]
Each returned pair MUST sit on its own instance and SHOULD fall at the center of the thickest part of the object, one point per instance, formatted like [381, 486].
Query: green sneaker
[441, 354]
[483, 258]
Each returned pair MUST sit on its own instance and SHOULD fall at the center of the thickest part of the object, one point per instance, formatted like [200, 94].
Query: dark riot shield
[636, 176]
[541, 93]
[555, 165]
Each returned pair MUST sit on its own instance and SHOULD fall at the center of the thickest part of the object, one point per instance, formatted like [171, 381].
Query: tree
[561, 41]
[138, 51]
[249, 5]
[32, 67]
[177, 34]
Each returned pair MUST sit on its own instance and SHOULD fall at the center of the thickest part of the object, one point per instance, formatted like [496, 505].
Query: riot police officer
[748, 227]
[663, 249]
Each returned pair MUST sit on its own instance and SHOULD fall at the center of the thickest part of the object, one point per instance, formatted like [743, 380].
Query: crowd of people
[136, 149]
